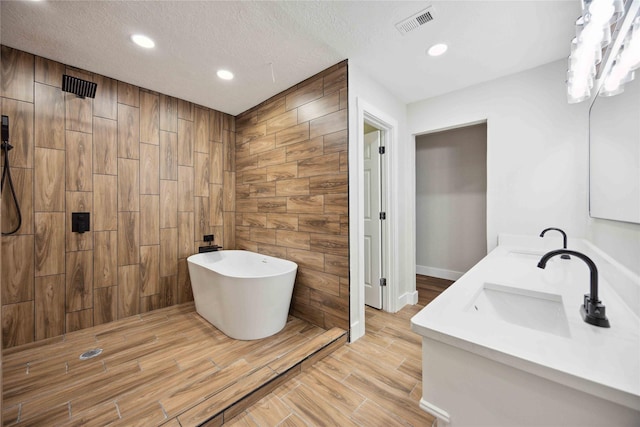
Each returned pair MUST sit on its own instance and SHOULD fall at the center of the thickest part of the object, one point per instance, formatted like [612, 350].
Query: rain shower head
[82, 88]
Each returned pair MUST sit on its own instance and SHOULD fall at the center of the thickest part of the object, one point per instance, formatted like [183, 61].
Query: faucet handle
[594, 312]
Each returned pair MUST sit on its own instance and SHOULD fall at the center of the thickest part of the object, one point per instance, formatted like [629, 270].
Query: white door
[372, 223]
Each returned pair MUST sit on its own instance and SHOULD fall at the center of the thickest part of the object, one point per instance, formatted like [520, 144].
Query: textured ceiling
[487, 39]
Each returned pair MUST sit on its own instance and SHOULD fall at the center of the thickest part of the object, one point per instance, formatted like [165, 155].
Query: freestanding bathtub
[244, 294]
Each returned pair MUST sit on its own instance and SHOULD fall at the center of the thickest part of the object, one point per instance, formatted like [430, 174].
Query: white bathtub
[244, 294]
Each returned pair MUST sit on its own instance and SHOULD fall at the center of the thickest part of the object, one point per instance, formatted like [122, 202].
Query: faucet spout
[592, 309]
[564, 239]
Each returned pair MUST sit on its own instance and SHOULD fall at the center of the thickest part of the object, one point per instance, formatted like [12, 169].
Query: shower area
[115, 189]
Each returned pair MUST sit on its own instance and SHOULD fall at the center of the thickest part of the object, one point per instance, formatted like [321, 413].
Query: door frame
[389, 128]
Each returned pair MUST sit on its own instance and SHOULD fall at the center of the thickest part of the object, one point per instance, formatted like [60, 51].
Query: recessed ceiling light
[225, 74]
[437, 49]
[143, 41]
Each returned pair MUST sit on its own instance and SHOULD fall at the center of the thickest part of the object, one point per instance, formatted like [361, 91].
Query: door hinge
[383, 215]
[383, 281]
[381, 150]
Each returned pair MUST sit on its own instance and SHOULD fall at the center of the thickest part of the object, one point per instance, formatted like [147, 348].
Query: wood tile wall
[291, 193]
[155, 172]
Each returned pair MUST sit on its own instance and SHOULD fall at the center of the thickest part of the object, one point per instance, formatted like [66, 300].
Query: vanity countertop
[604, 362]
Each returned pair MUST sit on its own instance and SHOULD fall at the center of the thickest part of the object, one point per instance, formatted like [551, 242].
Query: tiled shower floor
[157, 368]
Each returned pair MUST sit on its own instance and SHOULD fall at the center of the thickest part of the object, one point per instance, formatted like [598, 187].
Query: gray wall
[451, 204]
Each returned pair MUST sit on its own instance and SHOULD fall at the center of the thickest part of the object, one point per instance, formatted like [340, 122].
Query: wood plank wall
[292, 190]
[155, 172]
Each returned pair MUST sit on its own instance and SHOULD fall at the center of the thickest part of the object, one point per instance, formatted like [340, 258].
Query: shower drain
[90, 353]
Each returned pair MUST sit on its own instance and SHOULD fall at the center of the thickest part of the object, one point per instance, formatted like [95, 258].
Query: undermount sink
[531, 309]
[525, 254]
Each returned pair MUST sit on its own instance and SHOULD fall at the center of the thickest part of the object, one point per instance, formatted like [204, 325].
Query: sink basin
[528, 308]
[525, 254]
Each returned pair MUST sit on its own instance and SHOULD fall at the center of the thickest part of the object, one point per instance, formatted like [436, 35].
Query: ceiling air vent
[416, 21]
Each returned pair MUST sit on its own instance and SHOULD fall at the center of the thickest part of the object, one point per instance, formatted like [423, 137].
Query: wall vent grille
[416, 21]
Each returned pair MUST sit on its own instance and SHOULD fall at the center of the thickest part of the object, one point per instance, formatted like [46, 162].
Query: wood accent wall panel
[128, 185]
[168, 204]
[128, 238]
[291, 190]
[79, 282]
[149, 270]
[49, 117]
[168, 155]
[79, 111]
[17, 324]
[50, 306]
[78, 202]
[128, 290]
[128, 132]
[149, 118]
[185, 142]
[149, 219]
[105, 305]
[49, 243]
[168, 252]
[135, 160]
[105, 146]
[20, 130]
[18, 269]
[128, 94]
[48, 185]
[49, 72]
[23, 183]
[79, 161]
[105, 104]
[105, 202]
[17, 75]
[149, 169]
[77, 320]
[105, 260]
[168, 113]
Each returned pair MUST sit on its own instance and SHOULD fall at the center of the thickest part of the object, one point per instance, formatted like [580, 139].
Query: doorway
[451, 201]
[374, 214]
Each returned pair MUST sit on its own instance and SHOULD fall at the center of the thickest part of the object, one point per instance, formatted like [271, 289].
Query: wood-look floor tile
[370, 414]
[100, 415]
[305, 402]
[306, 350]
[293, 421]
[151, 414]
[332, 392]
[379, 355]
[412, 367]
[386, 374]
[55, 415]
[215, 404]
[55, 397]
[243, 420]
[334, 368]
[269, 411]
[391, 399]
[204, 387]
[10, 415]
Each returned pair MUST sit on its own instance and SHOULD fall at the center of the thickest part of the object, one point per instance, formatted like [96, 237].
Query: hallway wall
[451, 201]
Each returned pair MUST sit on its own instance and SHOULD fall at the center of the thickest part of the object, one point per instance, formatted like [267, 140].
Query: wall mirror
[614, 154]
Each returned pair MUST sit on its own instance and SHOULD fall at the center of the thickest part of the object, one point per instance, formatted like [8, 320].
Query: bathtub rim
[194, 260]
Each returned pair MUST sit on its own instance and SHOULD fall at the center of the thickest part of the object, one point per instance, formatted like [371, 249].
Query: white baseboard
[408, 298]
[438, 272]
[432, 409]
[356, 331]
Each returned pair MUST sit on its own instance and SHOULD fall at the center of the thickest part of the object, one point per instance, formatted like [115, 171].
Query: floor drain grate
[90, 353]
